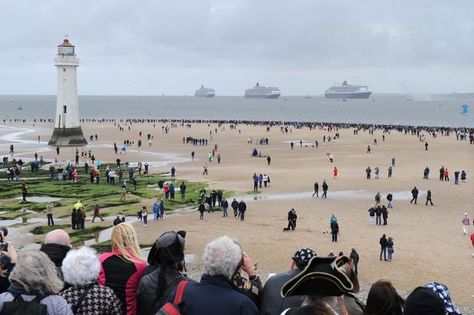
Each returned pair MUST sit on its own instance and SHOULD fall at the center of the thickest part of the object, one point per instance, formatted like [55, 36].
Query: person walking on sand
[428, 198]
[368, 149]
[354, 257]
[414, 194]
[145, 216]
[242, 209]
[465, 223]
[389, 199]
[204, 172]
[334, 230]
[325, 190]
[383, 247]
[390, 248]
[316, 189]
[292, 217]
[335, 172]
[201, 209]
[368, 170]
[49, 213]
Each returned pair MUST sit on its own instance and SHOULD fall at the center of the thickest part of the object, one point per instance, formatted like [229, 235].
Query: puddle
[30, 221]
[343, 194]
[40, 198]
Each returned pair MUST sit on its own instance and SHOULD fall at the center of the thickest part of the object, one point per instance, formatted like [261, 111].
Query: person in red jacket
[122, 269]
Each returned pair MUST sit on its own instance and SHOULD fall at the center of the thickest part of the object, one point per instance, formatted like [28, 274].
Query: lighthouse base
[68, 137]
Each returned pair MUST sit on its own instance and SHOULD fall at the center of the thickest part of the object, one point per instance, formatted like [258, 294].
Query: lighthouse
[67, 128]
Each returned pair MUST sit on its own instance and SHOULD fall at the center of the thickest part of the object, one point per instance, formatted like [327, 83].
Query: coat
[215, 295]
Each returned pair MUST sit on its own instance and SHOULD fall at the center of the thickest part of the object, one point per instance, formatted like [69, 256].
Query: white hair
[222, 256]
[81, 266]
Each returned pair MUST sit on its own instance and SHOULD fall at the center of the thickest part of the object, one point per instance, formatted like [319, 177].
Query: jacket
[123, 277]
[97, 300]
[215, 295]
[55, 304]
[271, 301]
[147, 301]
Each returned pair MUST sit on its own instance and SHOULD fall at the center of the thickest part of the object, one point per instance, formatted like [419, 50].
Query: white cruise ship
[262, 92]
[205, 92]
[347, 91]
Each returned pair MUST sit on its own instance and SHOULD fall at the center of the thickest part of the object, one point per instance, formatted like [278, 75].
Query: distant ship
[20, 107]
[347, 91]
[262, 92]
[205, 92]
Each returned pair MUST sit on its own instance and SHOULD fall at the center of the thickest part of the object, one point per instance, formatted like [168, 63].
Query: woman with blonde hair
[122, 268]
[34, 278]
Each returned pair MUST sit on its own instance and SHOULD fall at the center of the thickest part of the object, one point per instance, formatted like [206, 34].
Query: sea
[397, 109]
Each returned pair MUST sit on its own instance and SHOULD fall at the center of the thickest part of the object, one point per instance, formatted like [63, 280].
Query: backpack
[20, 307]
[174, 308]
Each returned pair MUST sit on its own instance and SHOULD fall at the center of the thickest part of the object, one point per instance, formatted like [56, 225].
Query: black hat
[168, 248]
[423, 301]
[323, 276]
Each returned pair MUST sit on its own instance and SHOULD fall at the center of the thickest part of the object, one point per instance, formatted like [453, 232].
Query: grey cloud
[172, 46]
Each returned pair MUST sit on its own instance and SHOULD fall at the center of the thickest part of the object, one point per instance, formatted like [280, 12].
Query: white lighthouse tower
[67, 129]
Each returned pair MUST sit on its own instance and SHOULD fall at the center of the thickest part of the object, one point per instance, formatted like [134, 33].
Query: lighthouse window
[64, 109]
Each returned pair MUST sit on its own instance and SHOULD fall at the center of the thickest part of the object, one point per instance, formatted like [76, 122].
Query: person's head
[168, 249]
[302, 257]
[383, 299]
[58, 236]
[222, 256]
[36, 273]
[442, 291]
[124, 240]
[81, 266]
[423, 301]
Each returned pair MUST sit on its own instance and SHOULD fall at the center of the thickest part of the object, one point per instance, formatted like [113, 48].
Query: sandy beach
[429, 243]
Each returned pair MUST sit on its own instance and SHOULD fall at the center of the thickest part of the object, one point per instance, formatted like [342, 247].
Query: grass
[107, 196]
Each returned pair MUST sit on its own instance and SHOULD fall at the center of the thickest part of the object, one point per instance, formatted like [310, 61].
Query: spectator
[35, 277]
[123, 268]
[442, 291]
[323, 281]
[57, 244]
[167, 258]
[383, 299]
[272, 302]
[85, 296]
[423, 301]
[215, 294]
[8, 258]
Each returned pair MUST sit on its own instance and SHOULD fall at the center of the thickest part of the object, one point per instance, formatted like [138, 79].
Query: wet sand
[429, 244]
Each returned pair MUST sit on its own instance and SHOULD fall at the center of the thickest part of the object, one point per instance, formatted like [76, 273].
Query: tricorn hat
[323, 276]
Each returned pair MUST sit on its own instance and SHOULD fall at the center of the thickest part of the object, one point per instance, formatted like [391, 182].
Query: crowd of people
[60, 280]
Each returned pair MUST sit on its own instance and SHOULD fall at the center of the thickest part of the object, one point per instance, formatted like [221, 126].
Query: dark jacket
[147, 301]
[354, 256]
[234, 204]
[271, 301]
[242, 206]
[383, 241]
[215, 295]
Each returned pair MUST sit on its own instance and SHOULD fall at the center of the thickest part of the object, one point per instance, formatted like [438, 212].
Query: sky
[155, 47]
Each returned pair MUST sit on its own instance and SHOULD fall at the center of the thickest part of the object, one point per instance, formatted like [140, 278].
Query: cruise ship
[347, 91]
[262, 92]
[205, 92]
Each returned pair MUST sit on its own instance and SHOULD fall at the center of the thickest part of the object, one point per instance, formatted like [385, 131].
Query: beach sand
[429, 243]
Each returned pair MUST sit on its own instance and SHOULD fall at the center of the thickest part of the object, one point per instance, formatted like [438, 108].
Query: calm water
[440, 110]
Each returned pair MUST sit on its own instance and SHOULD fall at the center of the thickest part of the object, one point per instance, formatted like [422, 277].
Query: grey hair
[81, 266]
[35, 272]
[222, 256]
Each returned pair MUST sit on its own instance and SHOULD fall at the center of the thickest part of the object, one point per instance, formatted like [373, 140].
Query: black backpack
[21, 307]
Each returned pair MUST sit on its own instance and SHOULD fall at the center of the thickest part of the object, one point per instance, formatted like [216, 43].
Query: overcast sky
[150, 47]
